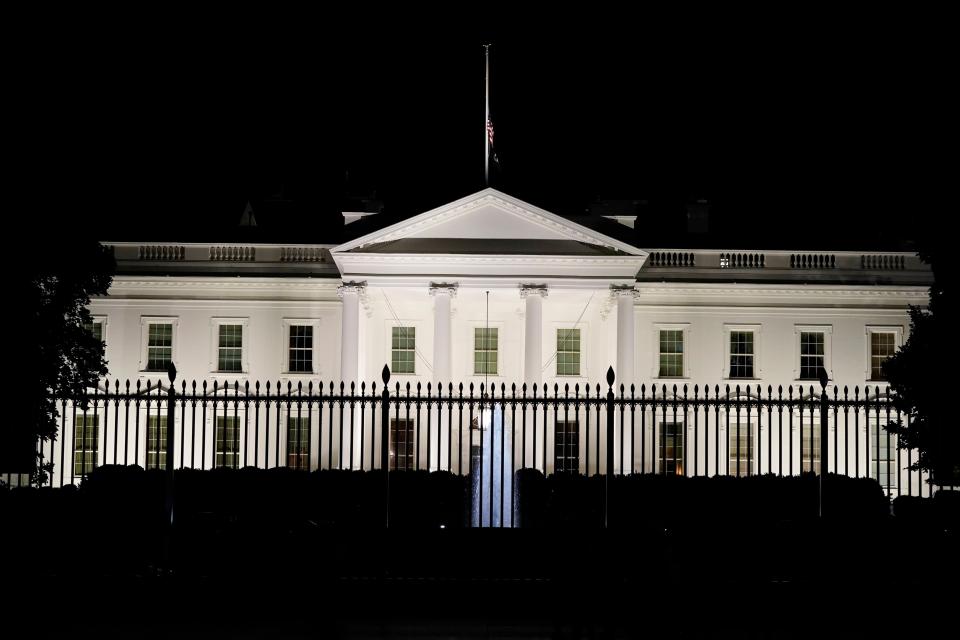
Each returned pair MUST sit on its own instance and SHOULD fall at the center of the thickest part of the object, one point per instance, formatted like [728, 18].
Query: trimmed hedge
[639, 501]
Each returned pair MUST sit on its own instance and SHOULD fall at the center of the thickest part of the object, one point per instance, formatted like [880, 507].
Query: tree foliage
[920, 387]
[61, 356]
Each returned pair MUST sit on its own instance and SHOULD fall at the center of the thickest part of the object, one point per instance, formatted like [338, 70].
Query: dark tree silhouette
[60, 354]
[916, 374]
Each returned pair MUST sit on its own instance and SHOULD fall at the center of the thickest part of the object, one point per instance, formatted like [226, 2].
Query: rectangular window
[811, 354]
[228, 442]
[810, 447]
[86, 436]
[741, 354]
[566, 440]
[157, 442]
[96, 328]
[485, 345]
[159, 345]
[671, 353]
[230, 347]
[882, 464]
[740, 444]
[403, 350]
[671, 448]
[301, 348]
[298, 442]
[882, 346]
[402, 445]
[568, 352]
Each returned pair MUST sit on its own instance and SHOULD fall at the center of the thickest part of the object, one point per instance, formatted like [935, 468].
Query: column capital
[623, 291]
[449, 288]
[352, 287]
[533, 290]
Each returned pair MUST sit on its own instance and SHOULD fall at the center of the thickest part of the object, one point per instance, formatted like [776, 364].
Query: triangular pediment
[488, 215]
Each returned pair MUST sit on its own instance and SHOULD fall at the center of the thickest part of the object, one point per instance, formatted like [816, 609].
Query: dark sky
[808, 125]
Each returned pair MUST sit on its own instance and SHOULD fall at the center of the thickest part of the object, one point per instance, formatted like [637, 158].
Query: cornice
[444, 258]
[440, 215]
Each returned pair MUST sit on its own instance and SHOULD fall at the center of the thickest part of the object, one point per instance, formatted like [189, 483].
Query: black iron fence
[488, 432]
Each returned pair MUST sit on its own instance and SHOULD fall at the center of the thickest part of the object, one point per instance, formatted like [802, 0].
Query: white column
[626, 343]
[442, 292]
[350, 331]
[533, 333]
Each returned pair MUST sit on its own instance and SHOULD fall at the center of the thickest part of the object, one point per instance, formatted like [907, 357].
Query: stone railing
[233, 254]
[303, 254]
[742, 261]
[813, 261]
[672, 259]
[883, 262]
[160, 252]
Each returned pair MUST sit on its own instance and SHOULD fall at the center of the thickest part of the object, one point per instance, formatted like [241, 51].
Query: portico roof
[489, 234]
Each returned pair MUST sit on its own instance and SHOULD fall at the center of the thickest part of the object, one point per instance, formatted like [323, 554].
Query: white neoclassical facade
[490, 289]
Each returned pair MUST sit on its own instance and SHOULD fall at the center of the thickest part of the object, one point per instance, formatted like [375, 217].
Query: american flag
[493, 153]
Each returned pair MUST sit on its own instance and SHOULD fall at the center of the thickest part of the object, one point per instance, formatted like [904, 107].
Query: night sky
[822, 134]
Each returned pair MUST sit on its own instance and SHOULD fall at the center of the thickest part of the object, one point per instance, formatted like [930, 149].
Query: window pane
[403, 350]
[811, 354]
[301, 349]
[671, 447]
[568, 352]
[157, 442]
[566, 446]
[810, 447]
[298, 442]
[86, 438]
[159, 346]
[882, 346]
[671, 353]
[485, 351]
[228, 442]
[741, 354]
[740, 436]
[402, 444]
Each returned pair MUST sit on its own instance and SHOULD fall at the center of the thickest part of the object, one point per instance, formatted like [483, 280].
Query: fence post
[824, 432]
[168, 489]
[385, 442]
[606, 498]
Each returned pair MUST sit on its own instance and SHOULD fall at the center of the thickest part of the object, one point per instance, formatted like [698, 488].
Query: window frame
[567, 441]
[102, 321]
[97, 441]
[422, 347]
[409, 429]
[827, 331]
[497, 352]
[286, 323]
[730, 426]
[160, 415]
[869, 330]
[215, 324]
[404, 328]
[145, 322]
[728, 330]
[581, 369]
[661, 442]
[684, 327]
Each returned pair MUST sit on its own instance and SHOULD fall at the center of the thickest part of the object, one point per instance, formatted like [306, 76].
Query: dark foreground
[791, 581]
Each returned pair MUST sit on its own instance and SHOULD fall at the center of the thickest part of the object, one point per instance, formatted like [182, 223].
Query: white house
[489, 289]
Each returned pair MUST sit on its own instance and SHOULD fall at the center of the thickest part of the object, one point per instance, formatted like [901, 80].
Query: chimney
[698, 216]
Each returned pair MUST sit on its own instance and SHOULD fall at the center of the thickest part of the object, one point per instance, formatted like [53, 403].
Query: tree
[919, 385]
[60, 355]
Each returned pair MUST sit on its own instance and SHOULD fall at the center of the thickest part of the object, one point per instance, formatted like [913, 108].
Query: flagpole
[486, 118]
